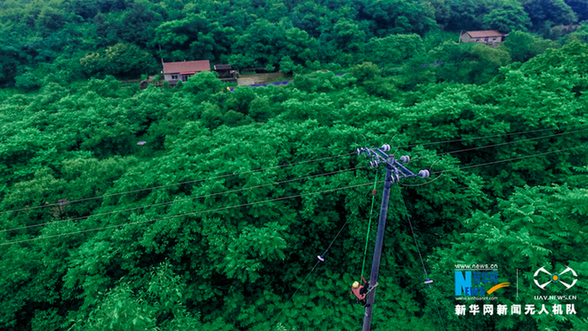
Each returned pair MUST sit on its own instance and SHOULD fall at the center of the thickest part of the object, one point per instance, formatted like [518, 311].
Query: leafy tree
[299, 46]
[10, 62]
[85, 8]
[366, 71]
[138, 25]
[204, 82]
[127, 60]
[312, 17]
[465, 15]
[392, 16]
[27, 81]
[274, 10]
[259, 45]
[120, 310]
[507, 17]
[468, 63]
[580, 8]
[286, 64]
[348, 40]
[122, 60]
[394, 49]
[533, 225]
[549, 12]
[441, 10]
[252, 173]
[523, 46]
[194, 37]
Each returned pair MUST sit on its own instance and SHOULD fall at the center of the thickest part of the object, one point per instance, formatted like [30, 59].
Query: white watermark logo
[555, 278]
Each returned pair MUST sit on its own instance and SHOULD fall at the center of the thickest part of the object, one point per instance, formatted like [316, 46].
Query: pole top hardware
[378, 156]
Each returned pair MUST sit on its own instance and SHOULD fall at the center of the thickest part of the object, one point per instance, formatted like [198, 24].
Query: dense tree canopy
[216, 219]
[202, 208]
[70, 38]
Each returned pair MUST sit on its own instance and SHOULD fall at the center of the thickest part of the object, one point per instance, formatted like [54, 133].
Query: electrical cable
[510, 142]
[321, 258]
[283, 166]
[499, 144]
[414, 238]
[510, 160]
[299, 286]
[455, 169]
[183, 199]
[178, 183]
[490, 163]
[427, 281]
[187, 214]
[367, 237]
[487, 137]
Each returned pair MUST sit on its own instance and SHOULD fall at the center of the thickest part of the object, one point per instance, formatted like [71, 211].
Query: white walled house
[176, 71]
[488, 37]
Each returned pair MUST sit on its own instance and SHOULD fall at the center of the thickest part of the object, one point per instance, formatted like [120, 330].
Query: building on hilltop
[488, 37]
[181, 71]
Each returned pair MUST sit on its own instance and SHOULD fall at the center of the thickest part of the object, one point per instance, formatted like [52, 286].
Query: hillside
[216, 221]
[73, 40]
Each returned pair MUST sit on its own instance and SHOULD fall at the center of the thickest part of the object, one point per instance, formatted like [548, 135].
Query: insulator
[424, 174]
[358, 151]
[385, 147]
[404, 159]
[372, 164]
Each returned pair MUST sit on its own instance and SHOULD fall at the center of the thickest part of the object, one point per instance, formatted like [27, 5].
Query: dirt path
[259, 78]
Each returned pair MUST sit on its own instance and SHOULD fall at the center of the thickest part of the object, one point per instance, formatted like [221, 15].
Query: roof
[186, 66]
[485, 33]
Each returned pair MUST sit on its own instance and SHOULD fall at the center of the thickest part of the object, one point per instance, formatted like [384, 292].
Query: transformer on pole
[395, 171]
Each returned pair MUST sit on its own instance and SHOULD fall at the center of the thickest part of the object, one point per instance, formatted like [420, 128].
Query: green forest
[202, 208]
[63, 41]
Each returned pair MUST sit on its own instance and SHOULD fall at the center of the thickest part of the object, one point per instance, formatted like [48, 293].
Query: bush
[27, 81]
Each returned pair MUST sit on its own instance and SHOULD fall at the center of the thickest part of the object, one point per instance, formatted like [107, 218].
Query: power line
[509, 160]
[277, 199]
[486, 137]
[493, 162]
[320, 259]
[183, 199]
[186, 214]
[178, 183]
[507, 143]
[300, 195]
[299, 286]
[287, 165]
[427, 281]
[510, 142]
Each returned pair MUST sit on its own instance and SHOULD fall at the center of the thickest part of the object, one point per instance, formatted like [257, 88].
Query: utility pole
[394, 172]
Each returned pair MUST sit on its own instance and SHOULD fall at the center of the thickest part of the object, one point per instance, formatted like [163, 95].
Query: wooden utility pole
[394, 172]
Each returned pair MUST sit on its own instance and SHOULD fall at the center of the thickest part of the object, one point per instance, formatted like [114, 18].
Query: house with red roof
[181, 71]
[488, 37]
